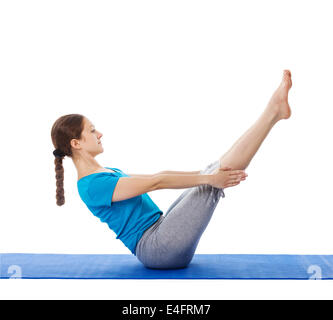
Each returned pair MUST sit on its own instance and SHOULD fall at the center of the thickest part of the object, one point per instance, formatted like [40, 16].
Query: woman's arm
[180, 172]
[140, 175]
[165, 172]
[223, 178]
[181, 181]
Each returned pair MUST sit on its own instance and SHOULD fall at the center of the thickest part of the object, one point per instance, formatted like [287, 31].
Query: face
[91, 139]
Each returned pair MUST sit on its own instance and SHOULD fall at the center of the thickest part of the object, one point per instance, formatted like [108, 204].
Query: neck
[86, 165]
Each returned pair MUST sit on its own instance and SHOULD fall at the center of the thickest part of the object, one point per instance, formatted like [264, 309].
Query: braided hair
[64, 129]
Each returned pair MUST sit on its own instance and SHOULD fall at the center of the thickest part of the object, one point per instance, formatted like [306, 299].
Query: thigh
[172, 241]
[209, 169]
[184, 194]
[185, 222]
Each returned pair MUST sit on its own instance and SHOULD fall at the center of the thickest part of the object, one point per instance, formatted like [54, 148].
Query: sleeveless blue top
[129, 218]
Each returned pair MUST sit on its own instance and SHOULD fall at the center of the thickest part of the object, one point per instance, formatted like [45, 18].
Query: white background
[171, 85]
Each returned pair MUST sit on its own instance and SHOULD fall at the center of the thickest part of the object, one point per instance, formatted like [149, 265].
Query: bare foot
[279, 101]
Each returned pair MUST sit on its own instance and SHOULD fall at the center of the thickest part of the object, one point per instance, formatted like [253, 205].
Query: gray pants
[171, 241]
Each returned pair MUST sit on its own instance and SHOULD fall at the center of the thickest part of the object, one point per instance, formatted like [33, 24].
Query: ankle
[271, 116]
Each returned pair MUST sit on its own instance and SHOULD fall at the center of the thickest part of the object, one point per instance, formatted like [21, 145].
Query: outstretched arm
[165, 172]
[180, 172]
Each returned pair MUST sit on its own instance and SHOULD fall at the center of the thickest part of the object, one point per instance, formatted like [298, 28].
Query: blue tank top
[129, 218]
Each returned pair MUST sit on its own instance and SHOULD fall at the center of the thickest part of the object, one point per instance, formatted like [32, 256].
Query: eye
[93, 130]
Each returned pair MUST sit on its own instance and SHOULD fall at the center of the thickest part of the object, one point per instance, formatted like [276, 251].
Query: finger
[238, 178]
[239, 174]
[235, 180]
[232, 184]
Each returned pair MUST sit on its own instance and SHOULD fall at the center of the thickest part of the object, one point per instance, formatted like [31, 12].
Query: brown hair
[64, 129]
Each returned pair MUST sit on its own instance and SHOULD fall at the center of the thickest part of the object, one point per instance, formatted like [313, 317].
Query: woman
[159, 241]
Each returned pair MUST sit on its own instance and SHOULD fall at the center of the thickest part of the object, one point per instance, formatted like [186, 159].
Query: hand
[226, 177]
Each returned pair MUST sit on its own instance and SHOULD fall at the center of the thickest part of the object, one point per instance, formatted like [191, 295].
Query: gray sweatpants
[171, 241]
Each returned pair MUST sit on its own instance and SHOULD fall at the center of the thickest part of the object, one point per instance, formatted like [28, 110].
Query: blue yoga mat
[202, 266]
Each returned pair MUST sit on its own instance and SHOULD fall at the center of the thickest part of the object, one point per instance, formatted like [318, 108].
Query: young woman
[159, 241]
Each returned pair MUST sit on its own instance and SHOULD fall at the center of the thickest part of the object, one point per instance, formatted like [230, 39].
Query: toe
[286, 81]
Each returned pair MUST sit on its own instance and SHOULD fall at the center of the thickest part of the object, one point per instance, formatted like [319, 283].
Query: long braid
[60, 192]
[64, 129]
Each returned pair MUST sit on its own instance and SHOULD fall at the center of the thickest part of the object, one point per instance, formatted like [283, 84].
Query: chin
[98, 152]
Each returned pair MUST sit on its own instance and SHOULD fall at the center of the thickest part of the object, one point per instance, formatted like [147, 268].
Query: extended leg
[241, 153]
